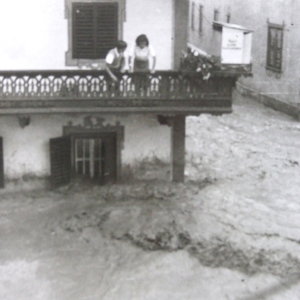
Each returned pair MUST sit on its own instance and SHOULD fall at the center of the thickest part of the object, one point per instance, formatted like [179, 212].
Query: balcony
[77, 91]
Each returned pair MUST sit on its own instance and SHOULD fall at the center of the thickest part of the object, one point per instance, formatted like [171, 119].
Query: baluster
[131, 85]
[102, 86]
[26, 78]
[51, 93]
[1, 86]
[165, 86]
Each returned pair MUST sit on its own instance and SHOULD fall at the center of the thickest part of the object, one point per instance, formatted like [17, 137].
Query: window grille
[89, 157]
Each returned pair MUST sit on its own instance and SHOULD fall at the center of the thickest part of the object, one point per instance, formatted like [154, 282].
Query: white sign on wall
[232, 46]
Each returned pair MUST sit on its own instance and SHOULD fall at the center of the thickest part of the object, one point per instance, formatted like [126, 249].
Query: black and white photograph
[150, 150]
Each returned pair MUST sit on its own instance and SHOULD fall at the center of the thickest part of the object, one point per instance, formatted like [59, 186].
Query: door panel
[60, 161]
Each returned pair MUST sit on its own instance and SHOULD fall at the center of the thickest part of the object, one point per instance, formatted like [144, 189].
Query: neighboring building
[275, 45]
[60, 115]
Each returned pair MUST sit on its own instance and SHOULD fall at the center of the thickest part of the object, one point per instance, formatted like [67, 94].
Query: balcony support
[178, 148]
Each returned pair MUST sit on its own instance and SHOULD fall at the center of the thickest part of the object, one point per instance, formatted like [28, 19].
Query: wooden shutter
[1, 164]
[107, 27]
[275, 45]
[83, 31]
[95, 29]
[60, 160]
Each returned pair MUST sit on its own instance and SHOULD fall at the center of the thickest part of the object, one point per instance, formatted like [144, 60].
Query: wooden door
[60, 161]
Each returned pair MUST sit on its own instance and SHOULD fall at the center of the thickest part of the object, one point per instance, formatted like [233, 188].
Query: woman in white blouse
[142, 55]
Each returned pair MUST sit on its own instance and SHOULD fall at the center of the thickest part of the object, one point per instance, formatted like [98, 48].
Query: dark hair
[142, 38]
[121, 45]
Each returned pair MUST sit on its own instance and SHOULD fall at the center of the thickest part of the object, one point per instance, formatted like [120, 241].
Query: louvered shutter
[83, 30]
[1, 164]
[107, 28]
[95, 29]
[60, 161]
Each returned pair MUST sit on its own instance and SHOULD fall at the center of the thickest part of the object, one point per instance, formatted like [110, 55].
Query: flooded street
[232, 231]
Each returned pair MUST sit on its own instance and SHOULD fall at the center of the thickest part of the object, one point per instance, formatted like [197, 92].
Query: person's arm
[131, 59]
[153, 64]
[109, 60]
[125, 62]
[110, 73]
[153, 56]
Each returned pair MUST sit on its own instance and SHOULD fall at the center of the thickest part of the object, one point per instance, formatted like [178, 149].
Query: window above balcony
[93, 28]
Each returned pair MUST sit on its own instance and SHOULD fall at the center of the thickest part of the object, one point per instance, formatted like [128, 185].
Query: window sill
[79, 62]
[279, 71]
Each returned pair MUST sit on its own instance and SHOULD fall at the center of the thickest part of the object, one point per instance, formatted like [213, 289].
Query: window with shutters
[274, 47]
[193, 16]
[94, 28]
[200, 19]
[91, 156]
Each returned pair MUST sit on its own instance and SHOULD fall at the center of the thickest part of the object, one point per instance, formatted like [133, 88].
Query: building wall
[155, 19]
[207, 39]
[34, 33]
[26, 151]
[254, 15]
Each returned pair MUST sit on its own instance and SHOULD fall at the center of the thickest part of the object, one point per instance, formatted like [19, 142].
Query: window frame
[228, 17]
[193, 15]
[201, 8]
[96, 130]
[272, 47]
[80, 62]
[216, 15]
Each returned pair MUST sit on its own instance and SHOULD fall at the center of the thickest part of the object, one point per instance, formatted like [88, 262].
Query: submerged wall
[26, 151]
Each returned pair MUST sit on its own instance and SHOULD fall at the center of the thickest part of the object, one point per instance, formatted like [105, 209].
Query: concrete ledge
[278, 105]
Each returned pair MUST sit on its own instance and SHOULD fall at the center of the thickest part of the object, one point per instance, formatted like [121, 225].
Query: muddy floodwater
[232, 231]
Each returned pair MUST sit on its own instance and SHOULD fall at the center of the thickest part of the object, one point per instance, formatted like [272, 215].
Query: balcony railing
[80, 88]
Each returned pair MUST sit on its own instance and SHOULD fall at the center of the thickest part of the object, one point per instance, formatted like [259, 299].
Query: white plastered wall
[153, 18]
[34, 33]
[26, 151]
